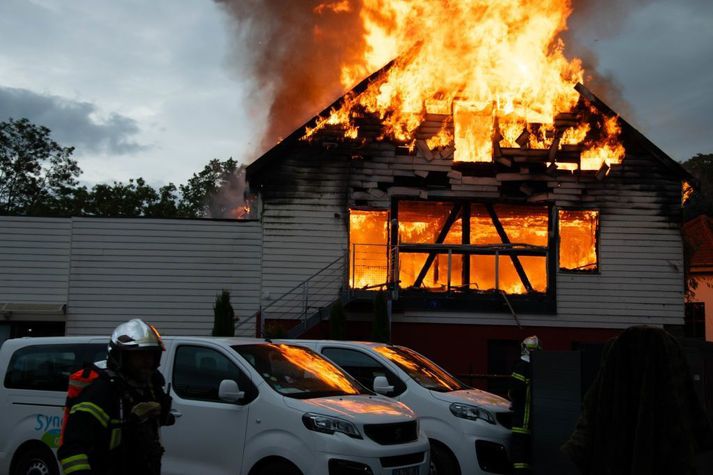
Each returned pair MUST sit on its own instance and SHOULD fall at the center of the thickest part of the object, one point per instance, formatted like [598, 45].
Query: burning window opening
[578, 240]
[503, 247]
[686, 192]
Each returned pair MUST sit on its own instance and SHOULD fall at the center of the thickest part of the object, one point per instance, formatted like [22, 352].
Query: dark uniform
[521, 397]
[104, 435]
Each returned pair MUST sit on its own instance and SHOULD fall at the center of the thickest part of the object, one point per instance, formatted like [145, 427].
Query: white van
[469, 429]
[244, 406]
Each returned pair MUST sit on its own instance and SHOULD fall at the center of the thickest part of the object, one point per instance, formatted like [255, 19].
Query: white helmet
[529, 344]
[134, 335]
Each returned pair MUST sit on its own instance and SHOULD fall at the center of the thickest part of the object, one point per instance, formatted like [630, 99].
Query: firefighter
[521, 396]
[113, 414]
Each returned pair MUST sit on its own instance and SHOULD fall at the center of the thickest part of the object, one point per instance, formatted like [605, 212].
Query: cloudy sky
[158, 88]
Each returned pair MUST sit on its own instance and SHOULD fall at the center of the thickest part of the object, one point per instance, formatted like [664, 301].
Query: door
[209, 435]
[364, 368]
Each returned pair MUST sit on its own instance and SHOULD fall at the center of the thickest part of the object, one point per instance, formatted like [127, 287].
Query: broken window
[523, 228]
[452, 247]
[578, 240]
[422, 222]
[368, 248]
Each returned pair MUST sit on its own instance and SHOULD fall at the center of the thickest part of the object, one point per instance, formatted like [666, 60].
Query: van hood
[475, 397]
[361, 409]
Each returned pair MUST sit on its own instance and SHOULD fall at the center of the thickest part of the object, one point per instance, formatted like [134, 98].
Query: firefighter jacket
[103, 436]
[521, 397]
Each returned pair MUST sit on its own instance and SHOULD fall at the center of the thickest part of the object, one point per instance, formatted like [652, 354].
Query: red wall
[463, 349]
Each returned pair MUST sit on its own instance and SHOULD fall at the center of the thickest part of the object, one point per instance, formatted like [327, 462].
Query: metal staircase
[309, 302]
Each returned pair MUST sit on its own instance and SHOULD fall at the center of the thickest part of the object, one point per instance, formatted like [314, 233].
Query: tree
[34, 169]
[223, 315]
[213, 191]
[701, 202]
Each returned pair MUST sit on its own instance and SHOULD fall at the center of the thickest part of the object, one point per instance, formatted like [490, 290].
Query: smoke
[293, 50]
[591, 22]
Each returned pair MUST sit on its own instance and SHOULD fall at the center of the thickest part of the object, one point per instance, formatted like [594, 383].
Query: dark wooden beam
[504, 237]
[465, 281]
[439, 240]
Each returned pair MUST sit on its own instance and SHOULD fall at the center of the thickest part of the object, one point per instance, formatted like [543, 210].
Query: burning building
[482, 186]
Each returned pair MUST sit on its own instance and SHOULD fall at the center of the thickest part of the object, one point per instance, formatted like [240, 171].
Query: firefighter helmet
[529, 344]
[134, 335]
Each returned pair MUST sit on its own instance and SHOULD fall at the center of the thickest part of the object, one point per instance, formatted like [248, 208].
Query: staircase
[309, 302]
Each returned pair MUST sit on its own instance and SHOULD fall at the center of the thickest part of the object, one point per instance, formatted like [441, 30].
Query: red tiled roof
[698, 234]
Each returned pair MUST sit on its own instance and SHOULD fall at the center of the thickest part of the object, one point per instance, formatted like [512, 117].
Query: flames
[319, 367]
[412, 365]
[420, 223]
[496, 67]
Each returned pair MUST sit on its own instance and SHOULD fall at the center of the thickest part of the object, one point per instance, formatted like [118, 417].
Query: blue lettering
[45, 422]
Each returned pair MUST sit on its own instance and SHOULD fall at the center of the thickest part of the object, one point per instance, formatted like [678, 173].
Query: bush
[223, 315]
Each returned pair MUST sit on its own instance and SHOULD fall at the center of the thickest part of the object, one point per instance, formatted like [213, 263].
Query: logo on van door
[51, 427]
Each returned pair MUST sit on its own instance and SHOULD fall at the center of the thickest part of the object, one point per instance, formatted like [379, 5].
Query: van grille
[391, 434]
[401, 460]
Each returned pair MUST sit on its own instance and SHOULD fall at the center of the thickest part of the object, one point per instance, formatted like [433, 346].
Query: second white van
[469, 429]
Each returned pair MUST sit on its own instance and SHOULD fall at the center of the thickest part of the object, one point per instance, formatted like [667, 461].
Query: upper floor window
[578, 232]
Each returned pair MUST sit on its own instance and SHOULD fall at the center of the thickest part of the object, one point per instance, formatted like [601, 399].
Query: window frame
[597, 240]
[82, 351]
[245, 383]
[392, 378]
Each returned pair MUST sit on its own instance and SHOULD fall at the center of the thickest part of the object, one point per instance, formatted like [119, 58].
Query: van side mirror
[228, 391]
[381, 385]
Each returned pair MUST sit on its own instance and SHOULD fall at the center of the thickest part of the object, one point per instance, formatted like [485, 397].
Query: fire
[578, 234]
[497, 66]
[442, 377]
[422, 222]
[320, 367]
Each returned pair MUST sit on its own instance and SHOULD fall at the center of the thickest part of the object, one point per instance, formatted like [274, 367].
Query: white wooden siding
[34, 260]
[303, 226]
[166, 271]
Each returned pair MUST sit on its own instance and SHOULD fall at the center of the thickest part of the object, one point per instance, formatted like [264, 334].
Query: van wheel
[279, 467]
[35, 461]
[442, 461]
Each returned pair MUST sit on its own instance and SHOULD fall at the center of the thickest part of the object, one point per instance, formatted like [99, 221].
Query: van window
[422, 370]
[198, 371]
[47, 367]
[364, 368]
[298, 372]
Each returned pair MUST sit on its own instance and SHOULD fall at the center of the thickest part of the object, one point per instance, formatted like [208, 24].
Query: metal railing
[318, 291]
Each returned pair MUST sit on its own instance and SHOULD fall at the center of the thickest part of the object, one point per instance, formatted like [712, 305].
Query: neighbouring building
[698, 234]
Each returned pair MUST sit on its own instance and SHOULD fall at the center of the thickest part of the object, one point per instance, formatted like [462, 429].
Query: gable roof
[659, 155]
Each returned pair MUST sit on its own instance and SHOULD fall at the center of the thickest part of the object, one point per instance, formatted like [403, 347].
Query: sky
[158, 88]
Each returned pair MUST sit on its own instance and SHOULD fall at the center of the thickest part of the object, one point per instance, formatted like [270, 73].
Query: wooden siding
[303, 222]
[640, 279]
[34, 260]
[166, 271]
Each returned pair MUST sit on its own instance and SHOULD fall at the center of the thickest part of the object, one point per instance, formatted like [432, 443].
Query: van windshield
[422, 370]
[298, 372]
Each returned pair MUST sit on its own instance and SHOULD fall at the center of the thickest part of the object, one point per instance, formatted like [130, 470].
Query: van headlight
[466, 411]
[330, 425]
